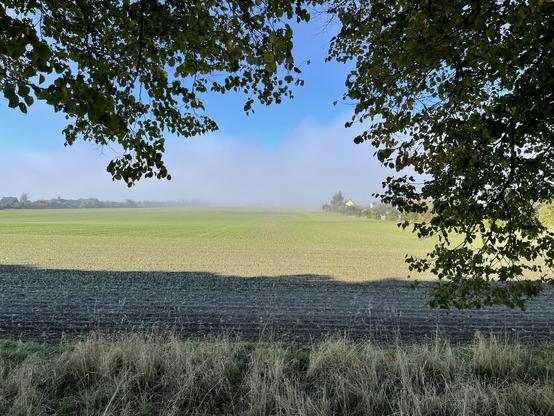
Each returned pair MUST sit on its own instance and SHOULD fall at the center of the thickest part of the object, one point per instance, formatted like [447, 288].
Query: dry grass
[155, 376]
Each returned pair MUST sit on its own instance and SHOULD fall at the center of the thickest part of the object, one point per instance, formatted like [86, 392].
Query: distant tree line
[387, 212]
[375, 210]
[23, 202]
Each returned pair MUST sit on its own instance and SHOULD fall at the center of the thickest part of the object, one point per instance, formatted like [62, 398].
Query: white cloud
[304, 170]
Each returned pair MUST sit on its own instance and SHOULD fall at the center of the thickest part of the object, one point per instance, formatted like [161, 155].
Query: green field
[234, 242]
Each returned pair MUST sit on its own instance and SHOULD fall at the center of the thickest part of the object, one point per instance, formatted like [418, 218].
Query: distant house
[350, 204]
[9, 202]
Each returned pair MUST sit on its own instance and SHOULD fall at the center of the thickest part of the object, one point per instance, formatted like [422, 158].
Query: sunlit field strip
[238, 242]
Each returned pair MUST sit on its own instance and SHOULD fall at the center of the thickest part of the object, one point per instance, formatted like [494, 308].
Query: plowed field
[248, 273]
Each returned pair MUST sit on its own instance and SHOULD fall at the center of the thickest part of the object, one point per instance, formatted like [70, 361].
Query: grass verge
[139, 375]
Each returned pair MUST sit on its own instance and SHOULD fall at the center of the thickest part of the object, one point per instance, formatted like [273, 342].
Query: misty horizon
[301, 171]
[294, 155]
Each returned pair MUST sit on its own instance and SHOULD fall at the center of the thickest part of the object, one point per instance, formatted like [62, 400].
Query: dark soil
[38, 304]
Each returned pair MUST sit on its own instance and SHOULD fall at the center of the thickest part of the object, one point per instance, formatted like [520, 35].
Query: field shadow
[47, 304]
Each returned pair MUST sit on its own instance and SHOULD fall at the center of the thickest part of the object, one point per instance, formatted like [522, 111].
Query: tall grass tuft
[142, 375]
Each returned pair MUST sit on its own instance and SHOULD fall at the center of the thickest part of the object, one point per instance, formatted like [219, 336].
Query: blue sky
[274, 137]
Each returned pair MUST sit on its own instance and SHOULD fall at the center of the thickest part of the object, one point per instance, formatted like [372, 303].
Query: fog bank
[303, 170]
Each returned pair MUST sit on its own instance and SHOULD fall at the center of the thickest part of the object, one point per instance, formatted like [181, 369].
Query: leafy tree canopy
[128, 71]
[462, 93]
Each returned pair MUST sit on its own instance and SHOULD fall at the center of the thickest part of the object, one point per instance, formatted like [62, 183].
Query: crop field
[236, 242]
[246, 272]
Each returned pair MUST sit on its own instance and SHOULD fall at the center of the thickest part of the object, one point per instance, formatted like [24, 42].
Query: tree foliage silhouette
[459, 92]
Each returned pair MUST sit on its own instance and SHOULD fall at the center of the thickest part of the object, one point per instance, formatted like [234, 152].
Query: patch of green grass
[237, 242]
[147, 375]
[13, 354]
